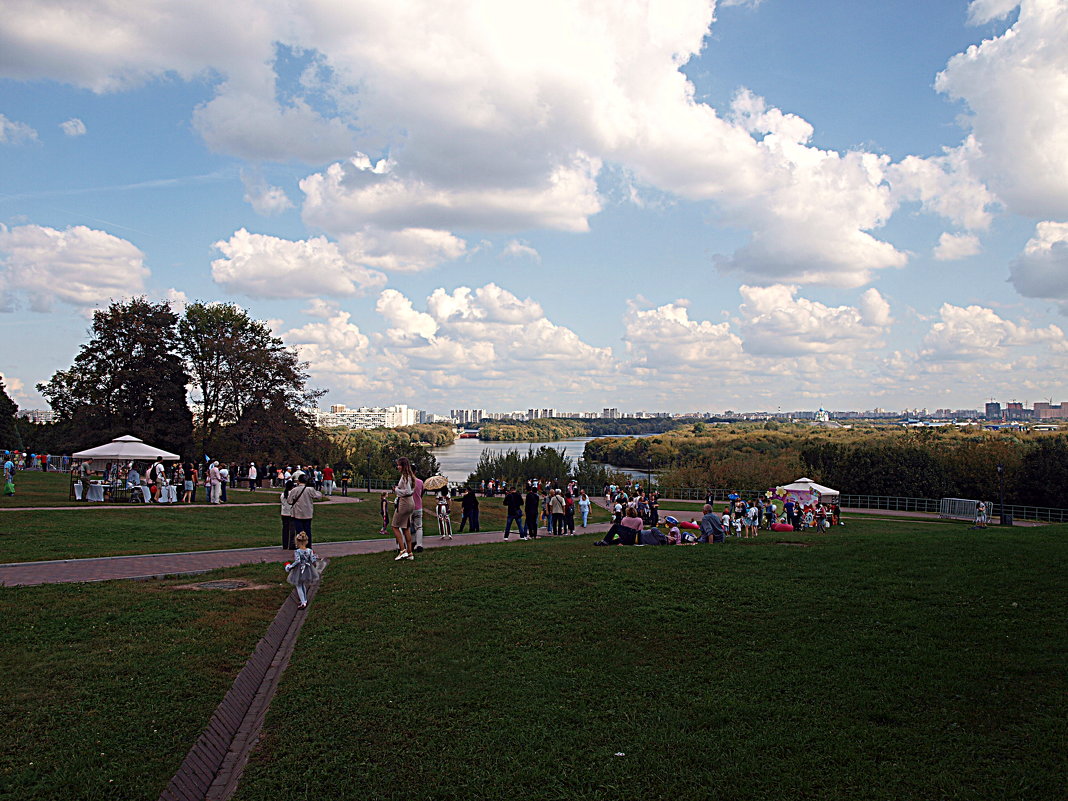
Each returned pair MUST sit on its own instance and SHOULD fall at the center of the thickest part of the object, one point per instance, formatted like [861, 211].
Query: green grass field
[33, 535]
[885, 661]
[107, 685]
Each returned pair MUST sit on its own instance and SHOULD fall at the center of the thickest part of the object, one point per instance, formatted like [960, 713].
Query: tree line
[515, 468]
[922, 463]
[548, 429]
[143, 361]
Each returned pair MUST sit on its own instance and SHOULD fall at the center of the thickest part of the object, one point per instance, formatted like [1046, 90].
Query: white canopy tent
[126, 449]
[807, 491]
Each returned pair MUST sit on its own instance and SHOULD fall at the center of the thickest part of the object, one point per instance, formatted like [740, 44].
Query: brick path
[167, 564]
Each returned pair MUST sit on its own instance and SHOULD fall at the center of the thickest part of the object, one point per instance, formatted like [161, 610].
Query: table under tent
[121, 450]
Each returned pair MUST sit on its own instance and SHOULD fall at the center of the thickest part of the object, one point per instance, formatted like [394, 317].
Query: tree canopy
[134, 374]
[8, 411]
[127, 379]
[244, 378]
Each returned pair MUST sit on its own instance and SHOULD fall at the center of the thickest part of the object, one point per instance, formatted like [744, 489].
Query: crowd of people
[213, 476]
[635, 520]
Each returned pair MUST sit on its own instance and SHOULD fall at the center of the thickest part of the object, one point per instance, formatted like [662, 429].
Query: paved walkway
[158, 565]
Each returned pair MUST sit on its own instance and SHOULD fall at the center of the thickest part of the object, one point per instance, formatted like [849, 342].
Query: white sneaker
[403, 555]
[524, 539]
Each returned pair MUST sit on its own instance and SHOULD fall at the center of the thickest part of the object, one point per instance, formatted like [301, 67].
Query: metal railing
[880, 502]
[847, 500]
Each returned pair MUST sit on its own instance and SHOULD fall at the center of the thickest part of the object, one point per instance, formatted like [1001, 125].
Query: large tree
[8, 434]
[247, 381]
[128, 379]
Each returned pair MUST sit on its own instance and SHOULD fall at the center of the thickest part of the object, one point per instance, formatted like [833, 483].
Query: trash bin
[1006, 518]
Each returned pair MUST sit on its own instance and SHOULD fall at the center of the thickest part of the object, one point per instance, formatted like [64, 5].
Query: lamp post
[368, 474]
[1001, 495]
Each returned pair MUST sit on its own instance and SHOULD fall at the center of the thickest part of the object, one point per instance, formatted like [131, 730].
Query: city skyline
[739, 205]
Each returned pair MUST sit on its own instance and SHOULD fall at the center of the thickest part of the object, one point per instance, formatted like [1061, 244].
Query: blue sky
[670, 206]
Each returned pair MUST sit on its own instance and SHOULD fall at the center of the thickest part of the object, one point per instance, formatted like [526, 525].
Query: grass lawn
[95, 531]
[885, 661]
[108, 685]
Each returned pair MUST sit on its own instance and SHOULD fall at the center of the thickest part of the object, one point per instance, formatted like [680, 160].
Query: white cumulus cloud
[665, 338]
[977, 333]
[269, 267]
[1016, 88]
[951, 247]
[347, 196]
[265, 199]
[15, 133]
[406, 250]
[79, 266]
[520, 250]
[503, 116]
[73, 127]
[1041, 271]
[774, 321]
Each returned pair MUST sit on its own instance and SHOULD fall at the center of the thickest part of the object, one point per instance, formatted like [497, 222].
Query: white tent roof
[808, 485]
[126, 449]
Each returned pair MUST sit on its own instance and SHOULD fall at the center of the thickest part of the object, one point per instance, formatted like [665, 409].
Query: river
[458, 461]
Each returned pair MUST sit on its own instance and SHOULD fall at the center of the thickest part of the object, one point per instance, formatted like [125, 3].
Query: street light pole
[368, 474]
[1001, 494]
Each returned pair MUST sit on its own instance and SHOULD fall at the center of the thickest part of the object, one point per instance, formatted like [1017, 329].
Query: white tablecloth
[96, 492]
[168, 494]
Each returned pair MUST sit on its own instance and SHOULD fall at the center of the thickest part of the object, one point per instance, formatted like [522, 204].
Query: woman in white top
[584, 507]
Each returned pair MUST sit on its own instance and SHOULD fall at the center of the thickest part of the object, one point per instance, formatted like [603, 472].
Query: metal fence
[881, 502]
[850, 501]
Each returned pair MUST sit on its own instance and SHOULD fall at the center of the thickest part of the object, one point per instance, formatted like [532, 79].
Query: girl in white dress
[444, 521]
[303, 570]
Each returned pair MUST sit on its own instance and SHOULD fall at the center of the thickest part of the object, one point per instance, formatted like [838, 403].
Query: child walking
[303, 570]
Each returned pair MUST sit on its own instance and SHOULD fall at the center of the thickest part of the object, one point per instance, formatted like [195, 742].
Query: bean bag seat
[691, 526]
[781, 527]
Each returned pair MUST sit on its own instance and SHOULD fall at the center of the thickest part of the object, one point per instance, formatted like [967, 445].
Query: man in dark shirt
[532, 508]
[513, 501]
[469, 507]
[711, 525]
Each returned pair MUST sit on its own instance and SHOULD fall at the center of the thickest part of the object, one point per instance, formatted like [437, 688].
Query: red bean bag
[691, 526]
[781, 527]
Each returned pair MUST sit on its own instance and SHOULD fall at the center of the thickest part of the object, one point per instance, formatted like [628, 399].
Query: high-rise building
[993, 411]
[38, 415]
[368, 416]
[1051, 411]
[465, 416]
[610, 414]
[534, 414]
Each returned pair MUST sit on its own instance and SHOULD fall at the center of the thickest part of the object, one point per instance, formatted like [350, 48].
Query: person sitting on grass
[627, 531]
[303, 571]
[712, 525]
